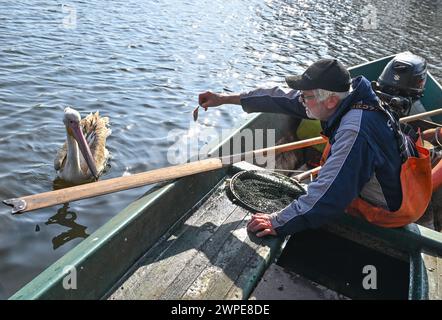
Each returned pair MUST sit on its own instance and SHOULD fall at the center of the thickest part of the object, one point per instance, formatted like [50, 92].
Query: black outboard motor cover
[405, 75]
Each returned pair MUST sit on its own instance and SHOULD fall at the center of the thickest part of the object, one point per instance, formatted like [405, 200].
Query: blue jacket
[364, 159]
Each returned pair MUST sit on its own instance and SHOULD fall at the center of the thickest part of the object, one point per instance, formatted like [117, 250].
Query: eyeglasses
[303, 97]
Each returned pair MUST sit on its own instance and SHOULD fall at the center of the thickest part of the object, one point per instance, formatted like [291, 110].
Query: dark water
[142, 63]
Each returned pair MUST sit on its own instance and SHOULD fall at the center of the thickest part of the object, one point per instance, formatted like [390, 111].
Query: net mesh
[264, 191]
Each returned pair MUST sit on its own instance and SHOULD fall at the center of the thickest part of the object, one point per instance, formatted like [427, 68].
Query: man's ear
[332, 102]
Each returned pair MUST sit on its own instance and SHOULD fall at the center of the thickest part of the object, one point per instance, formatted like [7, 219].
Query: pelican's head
[71, 116]
[72, 123]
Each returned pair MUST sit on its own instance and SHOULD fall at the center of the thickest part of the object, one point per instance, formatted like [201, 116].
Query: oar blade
[18, 205]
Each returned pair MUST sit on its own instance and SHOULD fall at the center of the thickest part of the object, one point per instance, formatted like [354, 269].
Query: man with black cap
[363, 162]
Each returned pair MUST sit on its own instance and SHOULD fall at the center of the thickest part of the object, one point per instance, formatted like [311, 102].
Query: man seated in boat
[371, 168]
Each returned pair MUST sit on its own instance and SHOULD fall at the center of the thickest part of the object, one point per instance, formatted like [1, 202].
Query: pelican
[87, 136]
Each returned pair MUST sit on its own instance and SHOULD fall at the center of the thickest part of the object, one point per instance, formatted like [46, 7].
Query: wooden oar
[51, 198]
[310, 173]
[84, 191]
[276, 149]
[421, 115]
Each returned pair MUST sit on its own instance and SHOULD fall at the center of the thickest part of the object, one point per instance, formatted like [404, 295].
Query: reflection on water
[66, 218]
[58, 184]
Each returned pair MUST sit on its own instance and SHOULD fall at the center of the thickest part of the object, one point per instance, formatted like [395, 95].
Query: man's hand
[209, 99]
[261, 222]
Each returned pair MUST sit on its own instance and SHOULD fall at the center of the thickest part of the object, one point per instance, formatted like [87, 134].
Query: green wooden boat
[187, 240]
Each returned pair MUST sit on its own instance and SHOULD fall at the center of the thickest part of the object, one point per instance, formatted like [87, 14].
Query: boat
[186, 239]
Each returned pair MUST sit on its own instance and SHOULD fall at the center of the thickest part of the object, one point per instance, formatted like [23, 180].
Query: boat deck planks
[278, 283]
[433, 269]
[210, 256]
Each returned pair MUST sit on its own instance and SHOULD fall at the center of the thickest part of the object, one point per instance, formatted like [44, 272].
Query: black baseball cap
[327, 74]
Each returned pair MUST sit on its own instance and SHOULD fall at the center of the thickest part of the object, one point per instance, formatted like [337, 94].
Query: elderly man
[367, 162]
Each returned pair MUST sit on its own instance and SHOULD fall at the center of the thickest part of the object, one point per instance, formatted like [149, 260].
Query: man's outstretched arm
[274, 100]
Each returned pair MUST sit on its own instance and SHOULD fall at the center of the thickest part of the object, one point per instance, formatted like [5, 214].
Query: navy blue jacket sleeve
[274, 100]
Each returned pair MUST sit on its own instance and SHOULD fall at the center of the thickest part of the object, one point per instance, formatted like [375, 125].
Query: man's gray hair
[321, 94]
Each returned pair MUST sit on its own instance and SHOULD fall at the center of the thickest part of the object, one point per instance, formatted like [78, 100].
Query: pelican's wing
[96, 130]
[61, 157]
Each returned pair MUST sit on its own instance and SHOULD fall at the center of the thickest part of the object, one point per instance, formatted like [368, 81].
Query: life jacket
[415, 180]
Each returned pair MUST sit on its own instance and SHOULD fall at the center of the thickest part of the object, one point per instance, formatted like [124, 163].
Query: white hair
[321, 94]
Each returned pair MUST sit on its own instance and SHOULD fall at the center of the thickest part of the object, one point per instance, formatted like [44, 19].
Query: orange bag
[416, 195]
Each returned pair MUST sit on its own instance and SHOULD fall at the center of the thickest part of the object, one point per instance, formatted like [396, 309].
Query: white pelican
[89, 135]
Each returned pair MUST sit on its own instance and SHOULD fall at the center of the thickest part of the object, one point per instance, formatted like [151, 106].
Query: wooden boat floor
[433, 271]
[278, 283]
[209, 256]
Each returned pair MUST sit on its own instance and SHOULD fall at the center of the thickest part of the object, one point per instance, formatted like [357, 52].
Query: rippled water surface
[142, 64]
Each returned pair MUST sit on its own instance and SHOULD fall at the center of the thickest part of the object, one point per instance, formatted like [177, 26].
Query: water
[143, 63]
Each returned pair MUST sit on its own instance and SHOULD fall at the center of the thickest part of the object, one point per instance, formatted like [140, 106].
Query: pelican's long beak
[77, 133]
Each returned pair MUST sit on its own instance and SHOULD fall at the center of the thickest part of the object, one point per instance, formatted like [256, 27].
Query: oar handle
[421, 115]
[252, 155]
[306, 174]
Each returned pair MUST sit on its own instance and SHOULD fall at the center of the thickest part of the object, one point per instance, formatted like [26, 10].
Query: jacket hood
[361, 93]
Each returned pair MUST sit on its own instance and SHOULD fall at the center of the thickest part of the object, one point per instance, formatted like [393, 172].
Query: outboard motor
[402, 82]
